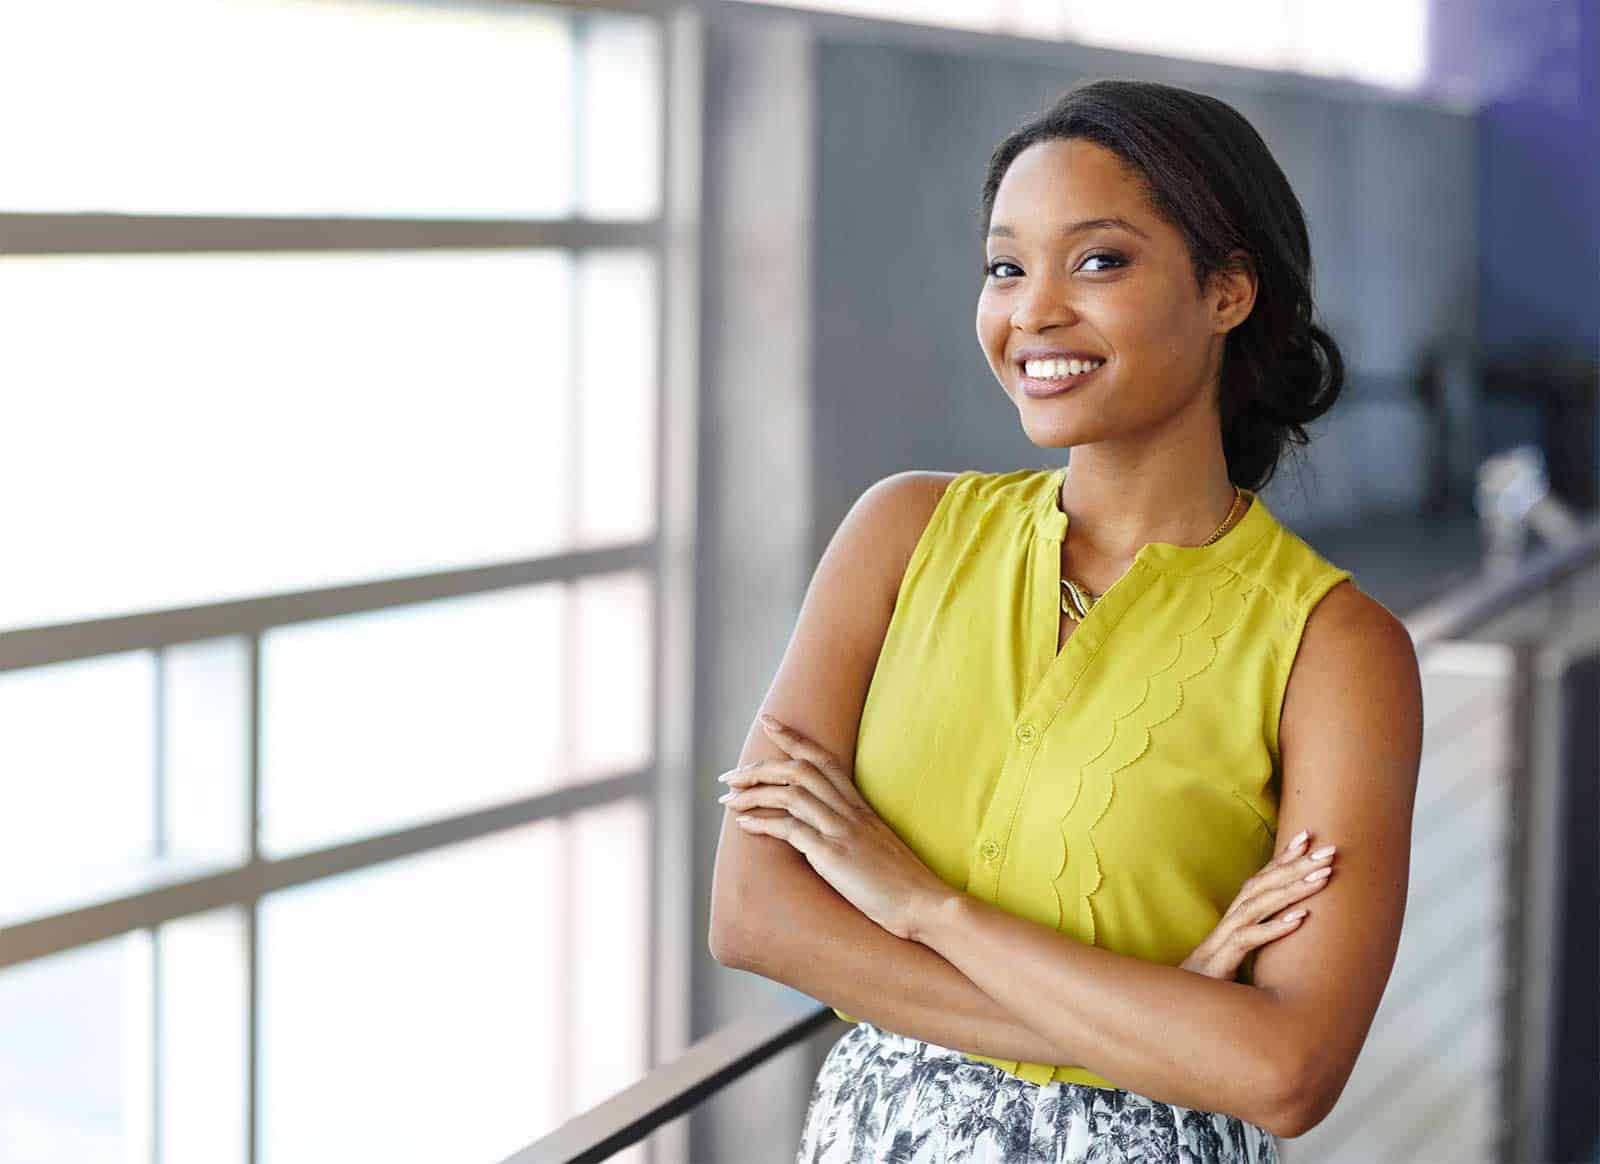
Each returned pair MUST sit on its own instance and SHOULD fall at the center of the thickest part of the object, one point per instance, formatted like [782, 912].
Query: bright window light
[386, 719]
[413, 1011]
[286, 107]
[181, 429]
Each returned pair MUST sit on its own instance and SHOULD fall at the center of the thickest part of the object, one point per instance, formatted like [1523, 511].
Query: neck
[1115, 507]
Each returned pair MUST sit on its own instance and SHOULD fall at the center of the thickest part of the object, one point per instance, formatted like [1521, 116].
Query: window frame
[169, 889]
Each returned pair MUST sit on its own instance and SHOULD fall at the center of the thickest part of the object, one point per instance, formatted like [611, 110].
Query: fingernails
[1300, 839]
[769, 723]
[1323, 852]
[727, 796]
[1319, 874]
[1295, 916]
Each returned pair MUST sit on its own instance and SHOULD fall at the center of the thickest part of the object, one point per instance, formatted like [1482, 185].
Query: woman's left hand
[825, 817]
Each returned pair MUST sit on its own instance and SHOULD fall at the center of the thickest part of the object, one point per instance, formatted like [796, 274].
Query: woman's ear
[1233, 291]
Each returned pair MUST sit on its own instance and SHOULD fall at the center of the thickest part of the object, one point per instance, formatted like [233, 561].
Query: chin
[1048, 425]
[1056, 436]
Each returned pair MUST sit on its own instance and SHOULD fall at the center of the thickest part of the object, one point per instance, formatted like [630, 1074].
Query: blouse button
[990, 850]
[1026, 733]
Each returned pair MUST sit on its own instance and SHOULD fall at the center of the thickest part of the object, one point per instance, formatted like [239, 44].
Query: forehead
[1058, 181]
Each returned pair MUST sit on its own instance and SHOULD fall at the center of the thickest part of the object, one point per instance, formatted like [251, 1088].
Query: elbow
[1291, 1118]
[1287, 1119]
[728, 937]
[1304, 1097]
[724, 945]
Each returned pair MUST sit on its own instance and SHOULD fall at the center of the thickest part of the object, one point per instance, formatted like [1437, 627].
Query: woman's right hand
[1254, 919]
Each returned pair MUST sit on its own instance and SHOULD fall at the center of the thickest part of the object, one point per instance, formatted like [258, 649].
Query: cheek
[992, 325]
[1151, 323]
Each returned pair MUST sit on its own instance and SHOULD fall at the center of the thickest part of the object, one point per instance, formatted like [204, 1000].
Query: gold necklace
[1075, 597]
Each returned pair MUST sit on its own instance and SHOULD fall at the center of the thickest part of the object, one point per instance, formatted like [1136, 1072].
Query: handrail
[674, 1088]
[730, 1053]
[1490, 593]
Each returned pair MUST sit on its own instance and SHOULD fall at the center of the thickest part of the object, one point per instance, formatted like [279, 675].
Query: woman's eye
[1111, 257]
[993, 269]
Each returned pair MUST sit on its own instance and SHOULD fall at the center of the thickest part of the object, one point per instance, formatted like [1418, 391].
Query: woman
[1013, 805]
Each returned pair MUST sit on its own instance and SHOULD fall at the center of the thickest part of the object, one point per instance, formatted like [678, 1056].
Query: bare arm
[771, 914]
[1277, 1052]
[1351, 739]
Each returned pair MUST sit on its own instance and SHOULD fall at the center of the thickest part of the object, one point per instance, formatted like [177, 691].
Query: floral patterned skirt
[882, 1097]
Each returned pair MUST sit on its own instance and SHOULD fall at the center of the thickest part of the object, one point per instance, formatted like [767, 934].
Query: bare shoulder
[1348, 625]
[894, 512]
[1355, 659]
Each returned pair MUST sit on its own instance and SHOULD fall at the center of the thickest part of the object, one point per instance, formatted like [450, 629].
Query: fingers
[786, 828]
[1292, 863]
[780, 773]
[798, 800]
[1294, 847]
[1261, 911]
[804, 748]
[1283, 883]
[1251, 937]
[1252, 925]
[1316, 865]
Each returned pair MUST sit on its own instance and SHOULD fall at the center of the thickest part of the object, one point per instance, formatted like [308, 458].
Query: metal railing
[727, 1055]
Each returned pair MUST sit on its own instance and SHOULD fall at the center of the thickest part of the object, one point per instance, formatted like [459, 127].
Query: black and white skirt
[883, 1097]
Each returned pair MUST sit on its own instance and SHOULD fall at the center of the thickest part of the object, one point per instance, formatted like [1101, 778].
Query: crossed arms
[1276, 1051]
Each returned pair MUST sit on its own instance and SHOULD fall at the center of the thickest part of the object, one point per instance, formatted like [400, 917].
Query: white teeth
[1056, 369]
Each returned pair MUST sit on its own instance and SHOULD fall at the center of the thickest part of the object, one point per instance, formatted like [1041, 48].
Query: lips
[1053, 385]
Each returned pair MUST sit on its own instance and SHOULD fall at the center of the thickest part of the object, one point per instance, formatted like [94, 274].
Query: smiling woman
[1039, 731]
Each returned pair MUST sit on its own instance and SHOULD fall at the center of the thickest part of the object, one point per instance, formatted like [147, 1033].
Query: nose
[1044, 303]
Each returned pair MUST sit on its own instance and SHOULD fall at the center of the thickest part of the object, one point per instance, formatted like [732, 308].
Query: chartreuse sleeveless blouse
[1122, 791]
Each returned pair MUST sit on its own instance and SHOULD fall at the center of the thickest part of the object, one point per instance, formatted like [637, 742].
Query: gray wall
[755, 516]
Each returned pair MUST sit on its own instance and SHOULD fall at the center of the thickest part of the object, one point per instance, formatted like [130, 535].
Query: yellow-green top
[1122, 791]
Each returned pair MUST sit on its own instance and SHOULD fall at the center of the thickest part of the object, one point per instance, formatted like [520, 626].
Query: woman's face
[1062, 282]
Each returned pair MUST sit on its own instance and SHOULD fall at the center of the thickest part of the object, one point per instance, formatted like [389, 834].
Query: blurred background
[419, 421]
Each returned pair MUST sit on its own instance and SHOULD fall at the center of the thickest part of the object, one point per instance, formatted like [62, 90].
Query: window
[330, 380]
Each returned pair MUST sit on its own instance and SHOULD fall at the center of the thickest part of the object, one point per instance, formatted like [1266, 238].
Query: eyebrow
[1077, 227]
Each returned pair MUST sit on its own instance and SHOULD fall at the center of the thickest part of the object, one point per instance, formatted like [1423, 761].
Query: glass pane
[413, 1011]
[610, 949]
[613, 663]
[617, 388]
[206, 746]
[380, 720]
[270, 422]
[282, 107]
[77, 780]
[75, 1055]
[621, 118]
[204, 1021]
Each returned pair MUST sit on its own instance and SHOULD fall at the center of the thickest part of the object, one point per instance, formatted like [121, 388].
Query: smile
[1048, 377]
